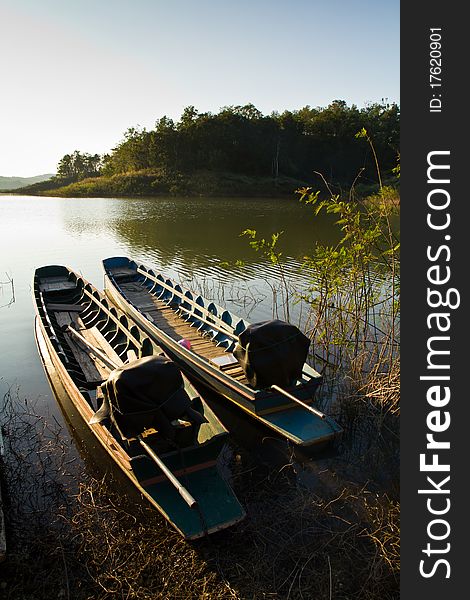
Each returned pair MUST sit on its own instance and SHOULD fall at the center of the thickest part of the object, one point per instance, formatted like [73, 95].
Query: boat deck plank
[123, 272]
[56, 284]
[166, 319]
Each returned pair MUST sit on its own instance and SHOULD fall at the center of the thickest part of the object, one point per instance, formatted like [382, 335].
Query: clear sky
[76, 74]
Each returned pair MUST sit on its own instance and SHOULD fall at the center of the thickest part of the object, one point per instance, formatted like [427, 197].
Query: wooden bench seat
[65, 307]
[56, 284]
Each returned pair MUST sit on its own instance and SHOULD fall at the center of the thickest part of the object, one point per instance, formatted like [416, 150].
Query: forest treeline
[205, 152]
[240, 139]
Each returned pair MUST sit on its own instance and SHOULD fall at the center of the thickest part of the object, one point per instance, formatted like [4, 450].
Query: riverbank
[165, 183]
[71, 534]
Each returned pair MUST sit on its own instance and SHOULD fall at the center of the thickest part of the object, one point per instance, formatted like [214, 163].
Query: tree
[78, 166]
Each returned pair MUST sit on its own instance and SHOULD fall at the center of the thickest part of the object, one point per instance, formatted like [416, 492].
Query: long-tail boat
[147, 417]
[210, 344]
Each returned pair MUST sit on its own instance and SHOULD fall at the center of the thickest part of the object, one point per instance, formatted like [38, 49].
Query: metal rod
[316, 412]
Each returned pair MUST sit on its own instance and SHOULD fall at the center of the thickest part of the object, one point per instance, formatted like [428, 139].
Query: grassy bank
[164, 183]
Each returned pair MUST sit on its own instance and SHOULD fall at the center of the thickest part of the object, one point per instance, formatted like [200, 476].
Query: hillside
[158, 182]
[14, 183]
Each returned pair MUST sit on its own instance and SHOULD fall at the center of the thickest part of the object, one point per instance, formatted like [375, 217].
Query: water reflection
[196, 232]
[7, 292]
[186, 238]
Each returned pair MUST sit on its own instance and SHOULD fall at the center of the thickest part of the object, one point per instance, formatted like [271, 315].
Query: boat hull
[217, 506]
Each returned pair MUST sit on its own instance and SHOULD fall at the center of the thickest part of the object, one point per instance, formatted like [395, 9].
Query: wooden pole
[316, 412]
[102, 357]
[183, 492]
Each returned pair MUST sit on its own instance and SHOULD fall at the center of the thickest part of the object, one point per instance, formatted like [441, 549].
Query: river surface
[193, 240]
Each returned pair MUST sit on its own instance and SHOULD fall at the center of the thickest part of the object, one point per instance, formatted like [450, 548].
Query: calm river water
[186, 238]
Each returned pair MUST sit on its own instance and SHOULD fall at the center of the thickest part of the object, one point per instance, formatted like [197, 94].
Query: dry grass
[38, 475]
[293, 545]
[369, 411]
[334, 540]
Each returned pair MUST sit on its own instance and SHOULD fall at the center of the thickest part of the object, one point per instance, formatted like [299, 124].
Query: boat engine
[144, 394]
[272, 353]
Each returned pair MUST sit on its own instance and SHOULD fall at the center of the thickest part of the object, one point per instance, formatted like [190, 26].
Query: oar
[316, 412]
[183, 492]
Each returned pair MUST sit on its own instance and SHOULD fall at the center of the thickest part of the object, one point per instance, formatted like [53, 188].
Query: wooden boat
[170, 314]
[85, 342]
